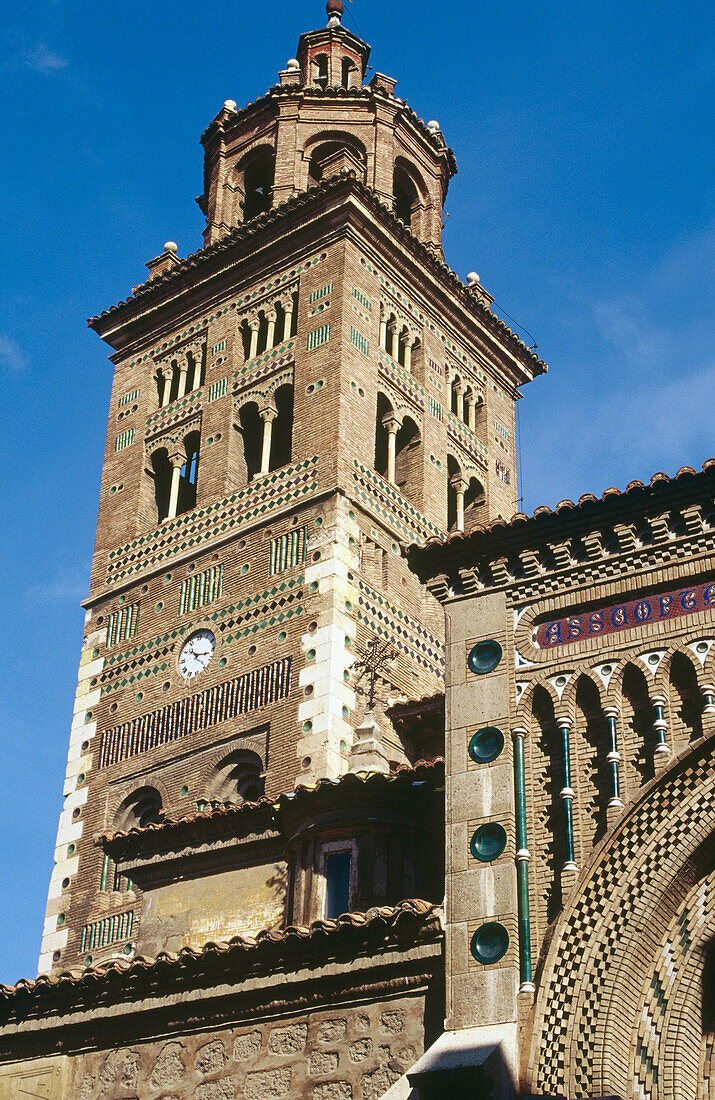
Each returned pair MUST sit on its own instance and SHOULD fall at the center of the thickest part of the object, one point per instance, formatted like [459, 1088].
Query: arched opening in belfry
[347, 67]
[258, 175]
[251, 430]
[638, 735]
[321, 151]
[237, 778]
[408, 453]
[142, 807]
[685, 702]
[402, 339]
[189, 474]
[161, 474]
[407, 188]
[474, 500]
[454, 472]
[195, 370]
[245, 333]
[455, 390]
[262, 332]
[320, 77]
[591, 748]
[549, 832]
[282, 435]
[384, 409]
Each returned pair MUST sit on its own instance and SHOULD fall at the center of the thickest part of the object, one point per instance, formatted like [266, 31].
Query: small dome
[171, 246]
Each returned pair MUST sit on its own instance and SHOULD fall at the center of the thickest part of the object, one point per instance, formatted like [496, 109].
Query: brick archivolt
[173, 441]
[608, 940]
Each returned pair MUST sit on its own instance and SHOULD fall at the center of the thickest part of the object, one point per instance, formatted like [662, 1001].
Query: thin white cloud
[70, 584]
[12, 357]
[43, 60]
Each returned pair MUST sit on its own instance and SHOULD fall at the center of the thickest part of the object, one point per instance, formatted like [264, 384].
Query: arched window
[454, 472]
[549, 834]
[251, 430]
[140, 808]
[638, 736]
[282, 434]
[474, 498]
[245, 331]
[188, 475]
[321, 70]
[347, 67]
[407, 459]
[237, 778]
[384, 409]
[161, 473]
[685, 703]
[258, 176]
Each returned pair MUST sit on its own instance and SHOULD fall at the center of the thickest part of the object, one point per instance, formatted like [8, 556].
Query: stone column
[406, 340]
[167, 374]
[268, 415]
[394, 337]
[183, 371]
[177, 461]
[196, 380]
[392, 424]
[660, 727]
[459, 390]
[460, 485]
[383, 331]
[708, 693]
[271, 317]
[288, 310]
[254, 324]
[471, 402]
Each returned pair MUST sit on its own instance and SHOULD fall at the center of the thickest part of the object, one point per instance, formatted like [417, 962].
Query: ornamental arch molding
[602, 966]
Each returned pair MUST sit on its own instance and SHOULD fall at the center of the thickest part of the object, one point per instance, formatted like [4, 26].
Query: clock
[196, 653]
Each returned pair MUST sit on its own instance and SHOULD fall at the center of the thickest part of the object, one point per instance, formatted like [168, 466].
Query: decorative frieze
[206, 708]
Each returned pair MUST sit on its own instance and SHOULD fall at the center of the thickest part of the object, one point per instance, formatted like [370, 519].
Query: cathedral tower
[291, 403]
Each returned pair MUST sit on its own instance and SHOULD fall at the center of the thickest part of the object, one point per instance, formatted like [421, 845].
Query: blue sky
[582, 137]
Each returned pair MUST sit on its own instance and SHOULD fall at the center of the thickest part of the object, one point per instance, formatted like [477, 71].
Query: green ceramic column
[567, 792]
[522, 862]
[614, 757]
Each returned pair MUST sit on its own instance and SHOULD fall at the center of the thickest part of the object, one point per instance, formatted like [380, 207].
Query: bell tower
[292, 402]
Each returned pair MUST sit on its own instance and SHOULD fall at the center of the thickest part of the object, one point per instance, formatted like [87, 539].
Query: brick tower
[292, 402]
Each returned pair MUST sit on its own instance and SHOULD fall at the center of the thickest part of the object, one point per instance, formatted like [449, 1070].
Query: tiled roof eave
[179, 273]
[437, 553]
[410, 923]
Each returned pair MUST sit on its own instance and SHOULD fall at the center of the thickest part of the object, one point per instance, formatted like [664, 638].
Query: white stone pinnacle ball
[230, 104]
[472, 278]
[292, 64]
[171, 246]
[433, 126]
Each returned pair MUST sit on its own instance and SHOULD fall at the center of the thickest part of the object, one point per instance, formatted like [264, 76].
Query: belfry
[289, 863]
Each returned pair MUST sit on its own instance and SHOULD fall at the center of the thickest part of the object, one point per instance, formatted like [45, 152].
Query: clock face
[196, 653]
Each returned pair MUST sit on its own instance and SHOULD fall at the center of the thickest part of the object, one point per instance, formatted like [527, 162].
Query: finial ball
[433, 126]
[335, 7]
[229, 104]
[472, 278]
[171, 246]
[292, 64]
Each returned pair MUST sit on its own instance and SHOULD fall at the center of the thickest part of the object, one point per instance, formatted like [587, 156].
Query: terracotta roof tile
[237, 956]
[519, 519]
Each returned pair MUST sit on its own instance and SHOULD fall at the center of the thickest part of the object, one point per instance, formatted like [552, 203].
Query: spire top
[335, 9]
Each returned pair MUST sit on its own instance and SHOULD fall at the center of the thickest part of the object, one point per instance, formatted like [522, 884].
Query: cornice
[294, 210]
[579, 536]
